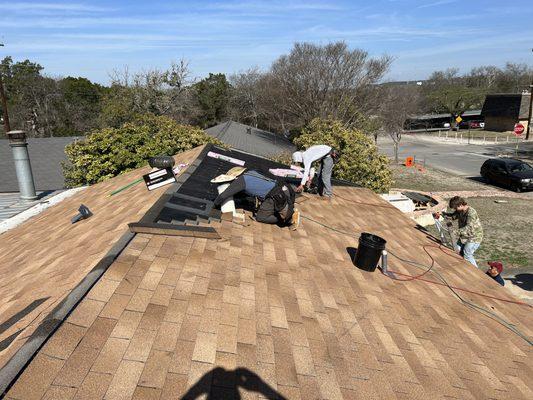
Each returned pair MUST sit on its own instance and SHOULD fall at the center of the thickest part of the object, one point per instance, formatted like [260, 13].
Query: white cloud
[269, 6]
[172, 20]
[437, 3]
[386, 32]
[486, 43]
[33, 6]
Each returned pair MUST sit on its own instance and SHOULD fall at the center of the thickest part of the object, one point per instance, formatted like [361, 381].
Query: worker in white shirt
[327, 157]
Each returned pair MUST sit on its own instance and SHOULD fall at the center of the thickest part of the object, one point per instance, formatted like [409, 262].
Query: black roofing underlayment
[191, 200]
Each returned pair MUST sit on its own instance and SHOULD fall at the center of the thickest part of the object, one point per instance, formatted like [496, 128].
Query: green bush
[108, 152]
[360, 161]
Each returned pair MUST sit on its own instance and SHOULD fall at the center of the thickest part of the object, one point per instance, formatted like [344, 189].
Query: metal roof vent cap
[249, 130]
[17, 137]
[17, 141]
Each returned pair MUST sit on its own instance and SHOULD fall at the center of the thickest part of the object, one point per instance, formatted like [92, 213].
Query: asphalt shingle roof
[251, 140]
[46, 155]
[264, 311]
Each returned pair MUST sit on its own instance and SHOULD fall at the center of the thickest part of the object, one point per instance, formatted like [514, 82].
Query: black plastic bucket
[369, 251]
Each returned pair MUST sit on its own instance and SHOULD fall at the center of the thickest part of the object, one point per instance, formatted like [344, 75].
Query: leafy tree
[23, 86]
[360, 161]
[212, 95]
[16, 75]
[448, 93]
[81, 104]
[514, 78]
[44, 106]
[108, 152]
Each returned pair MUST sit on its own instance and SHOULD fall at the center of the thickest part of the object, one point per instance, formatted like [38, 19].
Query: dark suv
[515, 174]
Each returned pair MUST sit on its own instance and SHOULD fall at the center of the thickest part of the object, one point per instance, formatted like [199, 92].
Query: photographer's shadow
[220, 383]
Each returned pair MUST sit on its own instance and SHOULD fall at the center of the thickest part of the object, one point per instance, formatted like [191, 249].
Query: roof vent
[249, 130]
[19, 145]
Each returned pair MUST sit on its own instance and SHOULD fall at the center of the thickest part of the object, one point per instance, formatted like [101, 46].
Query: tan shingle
[77, 366]
[124, 381]
[110, 355]
[36, 378]
[64, 341]
[94, 386]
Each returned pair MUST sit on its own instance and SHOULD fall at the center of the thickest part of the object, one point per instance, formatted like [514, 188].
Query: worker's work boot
[295, 220]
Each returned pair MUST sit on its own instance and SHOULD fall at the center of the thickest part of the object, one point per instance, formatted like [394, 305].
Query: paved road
[458, 159]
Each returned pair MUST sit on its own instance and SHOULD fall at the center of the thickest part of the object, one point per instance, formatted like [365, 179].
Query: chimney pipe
[17, 141]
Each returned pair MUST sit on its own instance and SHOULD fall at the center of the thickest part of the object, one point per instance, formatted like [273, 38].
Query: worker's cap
[496, 264]
[297, 156]
[229, 176]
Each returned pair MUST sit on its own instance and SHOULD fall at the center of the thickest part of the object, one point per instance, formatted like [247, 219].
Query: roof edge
[47, 327]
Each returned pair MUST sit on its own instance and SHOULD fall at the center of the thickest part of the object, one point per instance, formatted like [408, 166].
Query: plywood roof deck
[42, 260]
[271, 312]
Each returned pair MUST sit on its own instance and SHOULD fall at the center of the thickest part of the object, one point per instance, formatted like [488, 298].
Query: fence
[478, 138]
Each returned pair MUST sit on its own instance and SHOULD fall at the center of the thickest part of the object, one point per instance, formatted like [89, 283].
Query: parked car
[476, 124]
[508, 172]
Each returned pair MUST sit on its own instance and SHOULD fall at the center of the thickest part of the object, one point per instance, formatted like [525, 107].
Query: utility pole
[7, 128]
[530, 111]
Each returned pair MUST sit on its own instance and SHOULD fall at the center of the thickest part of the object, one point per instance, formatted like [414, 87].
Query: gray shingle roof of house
[46, 155]
[249, 139]
[507, 105]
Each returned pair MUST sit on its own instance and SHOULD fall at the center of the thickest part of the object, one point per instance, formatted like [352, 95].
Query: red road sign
[518, 129]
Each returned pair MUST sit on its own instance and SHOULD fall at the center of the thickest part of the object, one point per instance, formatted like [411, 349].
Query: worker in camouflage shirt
[470, 231]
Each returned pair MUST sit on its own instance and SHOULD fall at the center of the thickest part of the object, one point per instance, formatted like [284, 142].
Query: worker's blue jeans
[467, 250]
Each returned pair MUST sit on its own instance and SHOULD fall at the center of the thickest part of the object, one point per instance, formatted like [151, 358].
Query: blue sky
[92, 38]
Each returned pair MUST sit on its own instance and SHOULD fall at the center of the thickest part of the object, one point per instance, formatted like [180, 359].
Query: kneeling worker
[470, 229]
[327, 157]
[274, 199]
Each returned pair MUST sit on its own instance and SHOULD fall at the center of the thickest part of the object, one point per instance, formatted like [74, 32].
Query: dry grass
[430, 180]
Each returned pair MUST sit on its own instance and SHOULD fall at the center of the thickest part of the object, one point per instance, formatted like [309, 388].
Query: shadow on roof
[220, 383]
